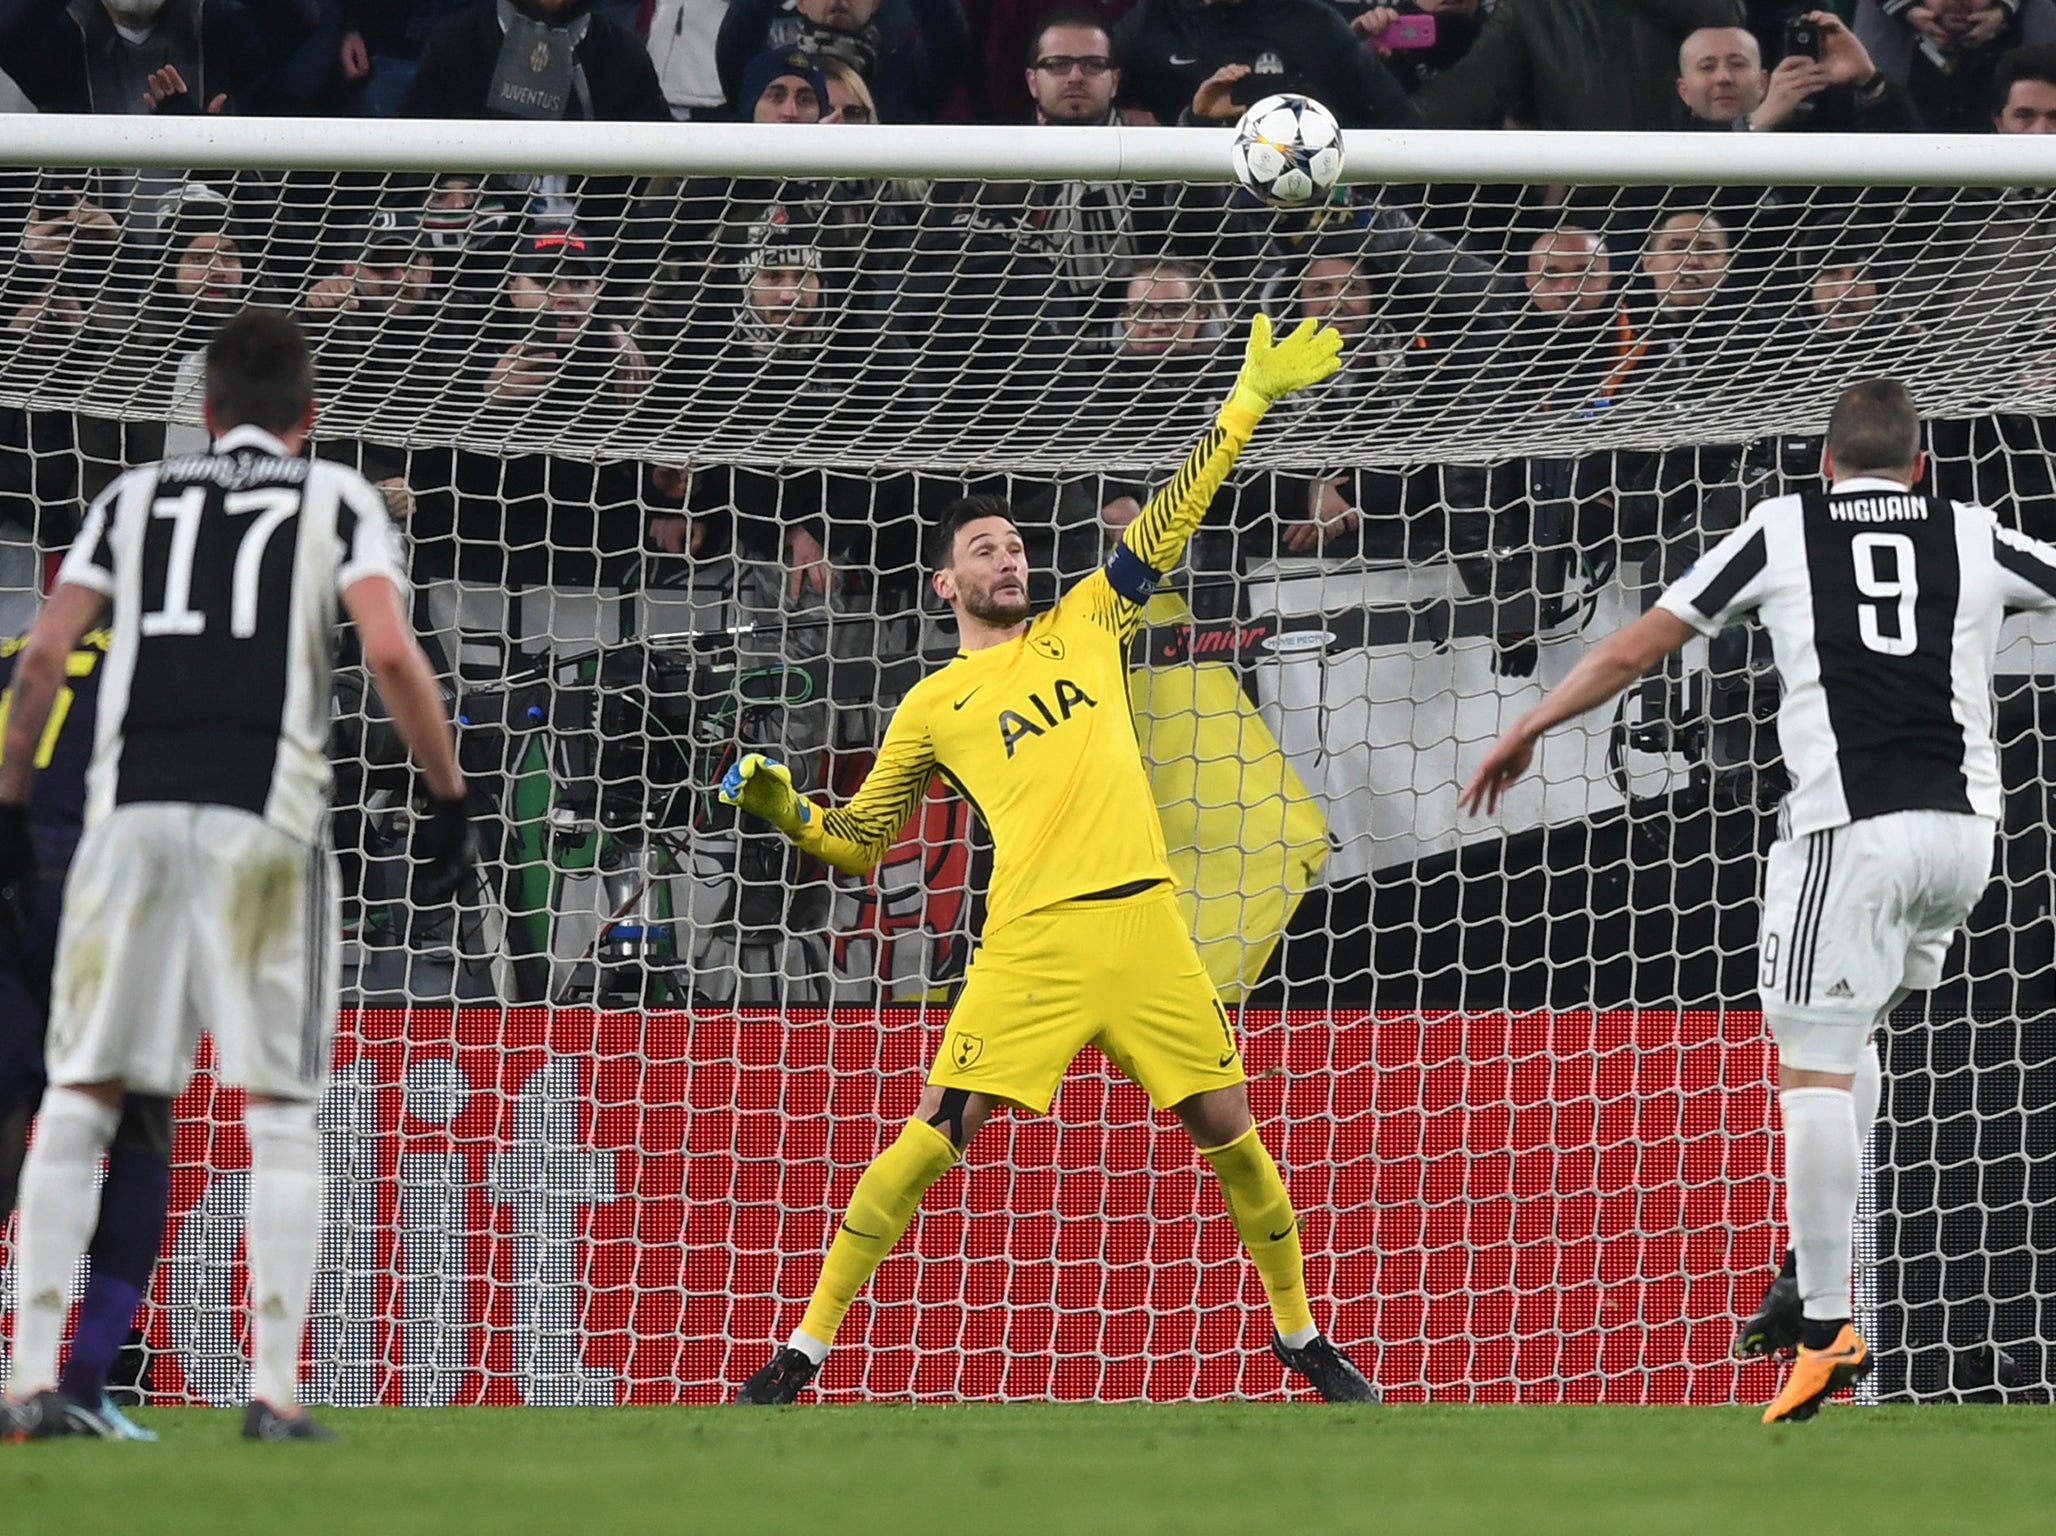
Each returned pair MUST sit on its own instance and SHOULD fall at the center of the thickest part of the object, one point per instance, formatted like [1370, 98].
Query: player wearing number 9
[1883, 607]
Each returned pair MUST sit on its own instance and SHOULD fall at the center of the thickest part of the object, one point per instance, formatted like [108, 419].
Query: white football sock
[1869, 1092]
[1823, 1167]
[808, 1345]
[281, 1235]
[1299, 1338]
[60, 1202]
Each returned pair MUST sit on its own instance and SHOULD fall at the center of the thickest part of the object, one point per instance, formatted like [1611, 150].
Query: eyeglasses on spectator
[1092, 65]
[1162, 311]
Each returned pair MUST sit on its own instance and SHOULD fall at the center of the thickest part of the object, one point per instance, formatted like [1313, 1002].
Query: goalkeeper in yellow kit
[1084, 943]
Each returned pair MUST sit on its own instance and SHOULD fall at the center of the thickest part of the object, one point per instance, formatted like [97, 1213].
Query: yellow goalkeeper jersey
[1036, 733]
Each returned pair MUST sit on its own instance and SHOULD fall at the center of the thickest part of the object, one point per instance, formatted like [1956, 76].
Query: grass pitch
[1250, 1469]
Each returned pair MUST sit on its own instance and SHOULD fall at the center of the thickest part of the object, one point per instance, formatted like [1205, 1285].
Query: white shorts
[1857, 916]
[179, 918]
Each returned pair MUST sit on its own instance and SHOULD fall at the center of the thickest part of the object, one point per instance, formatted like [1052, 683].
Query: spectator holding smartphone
[1825, 83]
[1206, 61]
[1417, 39]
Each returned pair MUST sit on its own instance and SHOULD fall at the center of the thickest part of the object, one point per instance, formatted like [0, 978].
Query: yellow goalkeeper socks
[880, 1207]
[1262, 1212]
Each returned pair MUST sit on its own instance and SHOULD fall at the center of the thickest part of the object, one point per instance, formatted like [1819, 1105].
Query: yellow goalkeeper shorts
[1123, 975]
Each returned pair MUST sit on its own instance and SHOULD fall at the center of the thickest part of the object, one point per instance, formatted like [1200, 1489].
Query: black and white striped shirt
[1883, 608]
[225, 571]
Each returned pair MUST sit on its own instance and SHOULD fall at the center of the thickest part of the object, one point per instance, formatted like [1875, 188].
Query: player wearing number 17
[1084, 943]
[203, 892]
[1883, 607]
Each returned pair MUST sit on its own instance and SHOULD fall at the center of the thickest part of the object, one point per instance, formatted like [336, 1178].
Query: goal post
[663, 412]
[988, 152]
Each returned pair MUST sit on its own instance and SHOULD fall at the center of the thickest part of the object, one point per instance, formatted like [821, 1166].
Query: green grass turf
[1246, 1468]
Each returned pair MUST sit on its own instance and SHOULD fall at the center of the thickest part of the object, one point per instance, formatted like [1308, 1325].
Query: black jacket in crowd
[58, 51]
[912, 56]
[1577, 64]
[1167, 47]
[457, 72]
[397, 29]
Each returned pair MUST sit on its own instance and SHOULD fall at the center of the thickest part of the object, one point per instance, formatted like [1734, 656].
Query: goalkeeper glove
[1270, 369]
[445, 850]
[763, 786]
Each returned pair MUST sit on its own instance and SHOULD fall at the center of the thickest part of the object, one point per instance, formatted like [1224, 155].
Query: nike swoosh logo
[1280, 1234]
[1175, 60]
[1850, 1353]
[1225, 1060]
[967, 698]
[853, 1232]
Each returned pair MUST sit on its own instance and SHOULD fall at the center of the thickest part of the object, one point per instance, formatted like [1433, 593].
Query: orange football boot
[1816, 1374]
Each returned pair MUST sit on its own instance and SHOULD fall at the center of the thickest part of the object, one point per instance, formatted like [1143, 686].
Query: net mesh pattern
[663, 453]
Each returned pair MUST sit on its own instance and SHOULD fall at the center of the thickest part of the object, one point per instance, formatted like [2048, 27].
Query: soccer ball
[1288, 150]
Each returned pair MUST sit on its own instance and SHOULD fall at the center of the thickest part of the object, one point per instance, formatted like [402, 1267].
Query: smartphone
[1253, 88]
[1802, 38]
[1409, 32]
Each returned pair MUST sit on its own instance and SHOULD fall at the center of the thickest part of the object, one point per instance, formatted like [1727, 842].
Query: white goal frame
[995, 153]
[1111, 153]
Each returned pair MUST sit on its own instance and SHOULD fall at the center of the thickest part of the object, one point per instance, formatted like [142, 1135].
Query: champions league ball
[1288, 150]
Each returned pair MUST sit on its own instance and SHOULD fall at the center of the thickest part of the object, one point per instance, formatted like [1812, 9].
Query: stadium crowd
[601, 299]
[581, 310]
[593, 303]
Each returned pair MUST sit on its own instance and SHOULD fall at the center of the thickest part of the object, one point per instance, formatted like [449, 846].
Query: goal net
[663, 414]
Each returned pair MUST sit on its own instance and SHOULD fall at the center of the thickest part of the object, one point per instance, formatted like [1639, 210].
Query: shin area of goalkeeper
[1084, 943]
